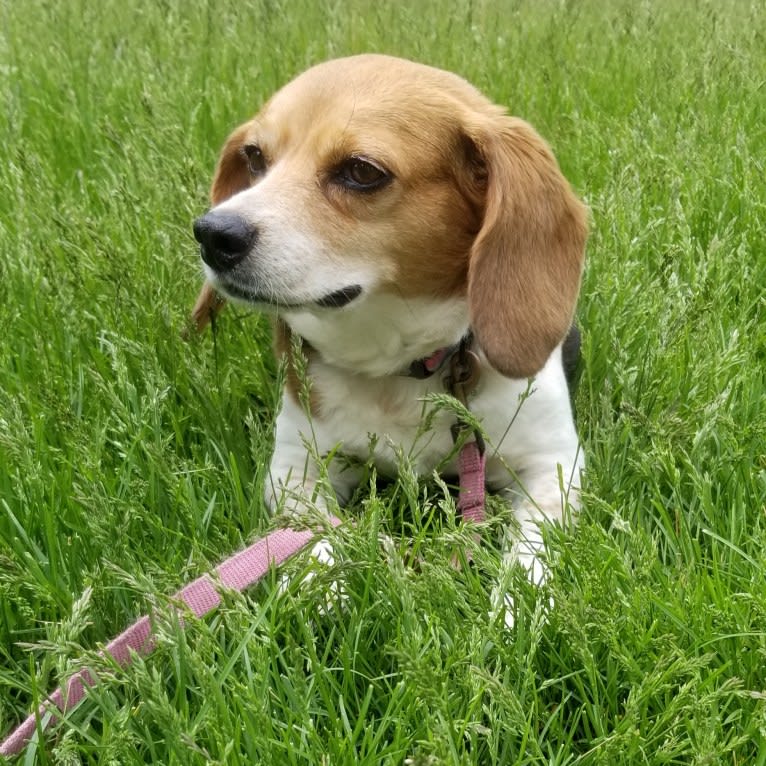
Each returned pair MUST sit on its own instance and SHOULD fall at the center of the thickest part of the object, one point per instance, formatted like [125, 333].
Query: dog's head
[371, 175]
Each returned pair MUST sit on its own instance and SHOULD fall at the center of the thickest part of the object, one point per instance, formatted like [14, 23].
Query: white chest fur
[387, 414]
[526, 424]
[381, 333]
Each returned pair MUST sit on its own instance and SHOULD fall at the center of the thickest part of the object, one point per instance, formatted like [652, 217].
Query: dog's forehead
[388, 97]
[371, 78]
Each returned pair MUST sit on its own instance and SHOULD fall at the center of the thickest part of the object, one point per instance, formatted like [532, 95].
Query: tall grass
[131, 461]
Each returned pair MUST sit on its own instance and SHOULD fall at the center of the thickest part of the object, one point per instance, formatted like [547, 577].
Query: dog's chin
[335, 299]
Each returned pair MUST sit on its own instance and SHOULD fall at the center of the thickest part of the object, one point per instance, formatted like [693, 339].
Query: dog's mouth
[340, 298]
[334, 300]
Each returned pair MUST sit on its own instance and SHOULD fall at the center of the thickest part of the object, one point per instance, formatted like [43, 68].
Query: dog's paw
[323, 553]
[528, 554]
[320, 557]
[502, 605]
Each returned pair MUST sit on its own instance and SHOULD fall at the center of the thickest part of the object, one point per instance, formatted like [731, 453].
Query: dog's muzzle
[225, 239]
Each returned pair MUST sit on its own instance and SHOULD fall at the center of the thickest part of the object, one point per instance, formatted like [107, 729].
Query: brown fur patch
[284, 349]
[526, 262]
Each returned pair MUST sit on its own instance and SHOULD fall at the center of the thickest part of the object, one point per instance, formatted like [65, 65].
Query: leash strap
[462, 379]
[200, 596]
[471, 464]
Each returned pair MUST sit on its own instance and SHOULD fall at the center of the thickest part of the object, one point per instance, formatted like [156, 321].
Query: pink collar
[428, 365]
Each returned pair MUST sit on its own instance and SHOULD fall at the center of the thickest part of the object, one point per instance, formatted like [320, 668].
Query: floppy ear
[526, 261]
[231, 172]
[231, 176]
[206, 307]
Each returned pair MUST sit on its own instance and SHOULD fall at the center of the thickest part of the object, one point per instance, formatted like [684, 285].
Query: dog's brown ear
[231, 176]
[526, 261]
[231, 172]
[206, 308]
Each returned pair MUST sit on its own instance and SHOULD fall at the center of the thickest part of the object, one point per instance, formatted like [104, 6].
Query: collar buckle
[460, 382]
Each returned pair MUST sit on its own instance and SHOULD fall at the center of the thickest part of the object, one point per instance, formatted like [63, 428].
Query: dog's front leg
[295, 483]
[545, 492]
[541, 496]
[293, 478]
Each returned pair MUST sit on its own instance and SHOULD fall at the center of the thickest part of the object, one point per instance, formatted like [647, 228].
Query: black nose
[225, 239]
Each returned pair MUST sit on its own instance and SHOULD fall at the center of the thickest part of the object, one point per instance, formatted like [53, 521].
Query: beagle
[381, 211]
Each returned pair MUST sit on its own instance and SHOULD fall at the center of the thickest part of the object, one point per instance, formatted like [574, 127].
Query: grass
[131, 462]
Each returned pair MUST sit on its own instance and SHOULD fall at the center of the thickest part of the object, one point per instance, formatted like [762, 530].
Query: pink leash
[201, 596]
[462, 379]
[471, 464]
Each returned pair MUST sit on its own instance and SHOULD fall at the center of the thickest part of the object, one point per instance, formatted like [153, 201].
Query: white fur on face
[290, 264]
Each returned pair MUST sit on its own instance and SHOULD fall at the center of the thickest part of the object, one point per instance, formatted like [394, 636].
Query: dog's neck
[381, 334]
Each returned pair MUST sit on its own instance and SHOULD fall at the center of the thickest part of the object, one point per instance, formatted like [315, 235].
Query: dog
[385, 212]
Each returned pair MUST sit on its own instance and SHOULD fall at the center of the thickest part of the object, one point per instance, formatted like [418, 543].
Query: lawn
[131, 461]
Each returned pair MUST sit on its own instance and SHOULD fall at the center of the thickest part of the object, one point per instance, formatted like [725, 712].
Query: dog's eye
[256, 161]
[362, 175]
